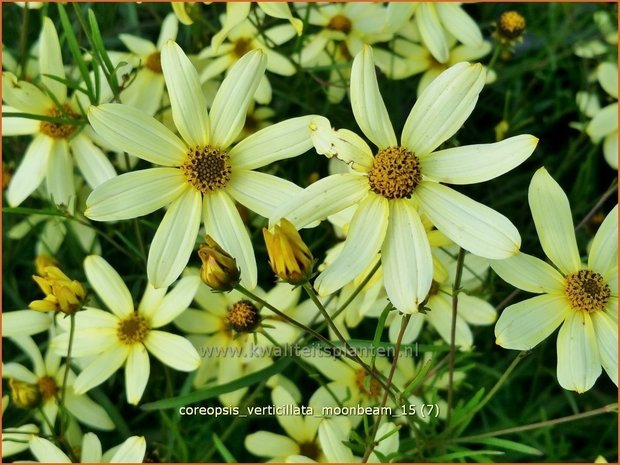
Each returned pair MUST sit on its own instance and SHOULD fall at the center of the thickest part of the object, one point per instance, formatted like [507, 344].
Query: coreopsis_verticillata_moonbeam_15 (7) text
[581, 297]
[199, 174]
[400, 179]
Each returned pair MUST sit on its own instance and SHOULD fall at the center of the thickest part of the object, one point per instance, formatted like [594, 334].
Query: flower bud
[289, 257]
[219, 270]
[61, 293]
[24, 395]
[509, 28]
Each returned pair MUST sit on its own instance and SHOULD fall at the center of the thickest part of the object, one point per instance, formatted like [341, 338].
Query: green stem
[62, 409]
[455, 302]
[375, 427]
[23, 44]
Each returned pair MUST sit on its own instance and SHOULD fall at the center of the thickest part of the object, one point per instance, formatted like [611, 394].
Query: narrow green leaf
[378, 331]
[418, 378]
[223, 450]
[453, 456]
[509, 445]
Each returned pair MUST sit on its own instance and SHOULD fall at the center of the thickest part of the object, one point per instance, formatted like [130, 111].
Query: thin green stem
[399, 340]
[608, 193]
[455, 302]
[61, 404]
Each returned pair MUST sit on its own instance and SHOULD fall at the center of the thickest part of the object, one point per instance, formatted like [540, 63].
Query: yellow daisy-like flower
[131, 450]
[47, 377]
[582, 298]
[604, 124]
[49, 154]
[200, 175]
[127, 335]
[147, 88]
[389, 187]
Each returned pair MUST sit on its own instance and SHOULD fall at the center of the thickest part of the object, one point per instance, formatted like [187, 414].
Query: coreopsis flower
[243, 38]
[581, 298]
[131, 450]
[437, 21]
[237, 13]
[219, 270]
[390, 187]
[230, 332]
[49, 155]
[43, 385]
[200, 175]
[301, 437]
[608, 41]
[25, 322]
[15, 439]
[147, 88]
[125, 335]
[62, 294]
[289, 257]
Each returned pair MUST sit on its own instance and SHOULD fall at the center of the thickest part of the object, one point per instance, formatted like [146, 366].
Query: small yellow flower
[61, 293]
[289, 256]
[24, 395]
[42, 262]
[219, 270]
[509, 28]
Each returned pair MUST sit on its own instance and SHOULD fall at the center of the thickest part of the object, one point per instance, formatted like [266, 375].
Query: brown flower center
[153, 62]
[207, 168]
[395, 173]
[310, 450]
[47, 387]
[132, 329]
[587, 291]
[59, 130]
[242, 46]
[367, 385]
[243, 316]
[340, 23]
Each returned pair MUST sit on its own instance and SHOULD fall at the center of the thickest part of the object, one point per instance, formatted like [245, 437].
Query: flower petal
[406, 257]
[367, 103]
[282, 11]
[279, 141]
[366, 234]
[145, 92]
[431, 32]
[108, 285]
[172, 350]
[135, 194]
[88, 411]
[443, 107]
[131, 130]
[472, 225]
[189, 107]
[292, 424]
[132, 450]
[459, 24]
[236, 12]
[267, 444]
[261, 192]
[553, 221]
[579, 363]
[169, 30]
[100, 369]
[230, 106]
[610, 149]
[477, 163]
[530, 274]
[606, 330]
[607, 74]
[174, 240]
[91, 449]
[12, 126]
[60, 184]
[137, 370]
[175, 302]
[24, 96]
[46, 452]
[50, 61]
[604, 249]
[476, 311]
[31, 171]
[24, 323]
[440, 316]
[137, 45]
[522, 326]
[323, 198]
[223, 223]
[603, 123]
[91, 161]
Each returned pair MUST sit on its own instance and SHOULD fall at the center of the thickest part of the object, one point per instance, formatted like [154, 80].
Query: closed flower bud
[219, 270]
[289, 256]
[24, 395]
[61, 293]
[510, 28]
